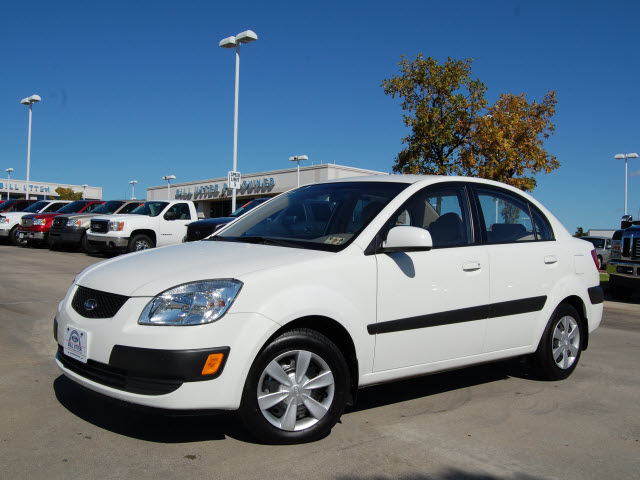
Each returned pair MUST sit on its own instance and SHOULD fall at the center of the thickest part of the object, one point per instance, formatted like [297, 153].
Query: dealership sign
[22, 187]
[213, 190]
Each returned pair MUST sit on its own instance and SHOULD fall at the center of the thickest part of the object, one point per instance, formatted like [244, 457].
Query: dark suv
[203, 228]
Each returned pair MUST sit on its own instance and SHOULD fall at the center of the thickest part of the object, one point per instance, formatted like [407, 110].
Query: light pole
[620, 156]
[29, 101]
[84, 191]
[230, 42]
[299, 158]
[133, 188]
[168, 178]
[9, 172]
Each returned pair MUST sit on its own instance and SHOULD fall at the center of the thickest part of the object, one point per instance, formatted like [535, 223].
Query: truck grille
[96, 304]
[99, 226]
[635, 251]
[26, 221]
[59, 222]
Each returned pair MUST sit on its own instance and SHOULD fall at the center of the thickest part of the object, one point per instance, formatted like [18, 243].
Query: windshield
[248, 206]
[151, 209]
[597, 242]
[108, 207]
[36, 207]
[6, 204]
[321, 216]
[73, 207]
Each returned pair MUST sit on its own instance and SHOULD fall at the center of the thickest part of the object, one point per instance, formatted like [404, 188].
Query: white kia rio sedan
[287, 311]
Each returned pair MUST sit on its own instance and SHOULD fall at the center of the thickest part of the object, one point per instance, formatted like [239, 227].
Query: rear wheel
[561, 344]
[296, 389]
[85, 246]
[139, 242]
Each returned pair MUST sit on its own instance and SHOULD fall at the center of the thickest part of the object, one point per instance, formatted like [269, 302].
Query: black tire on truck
[140, 242]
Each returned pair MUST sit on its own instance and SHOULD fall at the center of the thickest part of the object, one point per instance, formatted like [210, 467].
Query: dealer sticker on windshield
[75, 343]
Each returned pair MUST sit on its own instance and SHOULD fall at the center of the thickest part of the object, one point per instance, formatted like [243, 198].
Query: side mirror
[407, 239]
[626, 221]
[170, 215]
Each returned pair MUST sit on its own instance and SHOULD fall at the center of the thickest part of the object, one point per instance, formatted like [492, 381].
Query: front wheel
[296, 389]
[140, 242]
[561, 344]
[13, 237]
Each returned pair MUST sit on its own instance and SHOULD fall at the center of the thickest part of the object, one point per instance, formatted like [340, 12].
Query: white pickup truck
[152, 224]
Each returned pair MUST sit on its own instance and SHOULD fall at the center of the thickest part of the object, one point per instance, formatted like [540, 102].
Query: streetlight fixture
[29, 101]
[626, 156]
[84, 191]
[299, 158]
[9, 172]
[133, 188]
[168, 178]
[234, 42]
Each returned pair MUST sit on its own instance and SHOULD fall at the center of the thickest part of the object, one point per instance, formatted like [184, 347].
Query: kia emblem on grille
[90, 304]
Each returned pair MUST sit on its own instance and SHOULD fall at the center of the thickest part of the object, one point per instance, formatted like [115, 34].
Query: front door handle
[471, 266]
[550, 259]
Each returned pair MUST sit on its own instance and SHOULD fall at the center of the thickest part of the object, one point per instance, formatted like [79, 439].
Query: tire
[561, 345]
[139, 242]
[51, 243]
[274, 377]
[85, 246]
[13, 237]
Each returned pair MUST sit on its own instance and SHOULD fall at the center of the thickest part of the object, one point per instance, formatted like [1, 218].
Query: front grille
[118, 378]
[59, 222]
[26, 221]
[99, 226]
[96, 304]
[635, 251]
[626, 247]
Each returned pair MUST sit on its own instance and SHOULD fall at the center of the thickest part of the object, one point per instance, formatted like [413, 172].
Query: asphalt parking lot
[486, 422]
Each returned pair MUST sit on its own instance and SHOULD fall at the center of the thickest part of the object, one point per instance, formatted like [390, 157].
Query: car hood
[150, 272]
[42, 215]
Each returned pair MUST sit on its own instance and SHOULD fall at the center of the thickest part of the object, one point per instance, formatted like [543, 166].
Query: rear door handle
[471, 266]
[549, 259]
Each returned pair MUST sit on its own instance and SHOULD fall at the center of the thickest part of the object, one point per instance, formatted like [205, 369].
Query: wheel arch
[577, 303]
[335, 332]
[149, 233]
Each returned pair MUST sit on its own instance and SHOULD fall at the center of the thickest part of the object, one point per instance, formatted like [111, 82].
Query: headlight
[74, 223]
[39, 221]
[4, 220]
[191, 303]
[116, 226]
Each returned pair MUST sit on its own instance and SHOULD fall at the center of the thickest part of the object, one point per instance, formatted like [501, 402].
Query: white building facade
[213, 197]
[43, 190]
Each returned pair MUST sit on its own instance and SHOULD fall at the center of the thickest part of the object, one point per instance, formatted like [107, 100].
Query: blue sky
[141, 89]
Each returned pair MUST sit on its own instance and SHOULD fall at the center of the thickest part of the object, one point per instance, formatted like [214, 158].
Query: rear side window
[508, 218]
[129, 207]
[442, 210]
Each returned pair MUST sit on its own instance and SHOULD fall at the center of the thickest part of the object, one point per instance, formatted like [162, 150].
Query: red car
[35, 228]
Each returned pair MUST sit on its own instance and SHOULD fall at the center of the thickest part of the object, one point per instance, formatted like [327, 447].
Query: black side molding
[501, 309]
[596, 294]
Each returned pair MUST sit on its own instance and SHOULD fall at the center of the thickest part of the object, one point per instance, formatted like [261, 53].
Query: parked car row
[112, 226]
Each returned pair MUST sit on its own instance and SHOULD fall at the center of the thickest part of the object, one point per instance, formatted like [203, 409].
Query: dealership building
[43, 190]
[213, 197]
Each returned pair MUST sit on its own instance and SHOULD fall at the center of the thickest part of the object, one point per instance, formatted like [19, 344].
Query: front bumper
[107, 242]
[67, 236]
[32, 236]
[626, 273]
[155, 379]
[4, 232]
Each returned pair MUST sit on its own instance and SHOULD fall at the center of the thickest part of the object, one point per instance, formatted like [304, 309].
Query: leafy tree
[579, 233]
[454, 132]
[441, 103]
[68, 194]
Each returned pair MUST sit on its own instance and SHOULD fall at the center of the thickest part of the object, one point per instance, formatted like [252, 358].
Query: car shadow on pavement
[144, 424]
[425, 386]
[448, 474]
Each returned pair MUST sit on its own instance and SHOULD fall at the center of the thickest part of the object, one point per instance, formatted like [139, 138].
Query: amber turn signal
[211, 366]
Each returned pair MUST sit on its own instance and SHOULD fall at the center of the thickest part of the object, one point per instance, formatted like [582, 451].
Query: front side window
[129, 208]
[108, 207]
[442, 210]
[92, 208]
[55, 207]
[73, 207]
[179, 211]
[324, 216]
[36, 207]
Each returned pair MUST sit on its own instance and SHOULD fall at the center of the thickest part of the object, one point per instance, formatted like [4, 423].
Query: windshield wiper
[263, 241]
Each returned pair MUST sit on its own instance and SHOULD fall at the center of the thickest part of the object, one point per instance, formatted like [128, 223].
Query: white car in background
[286, 312]
[9, 222]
